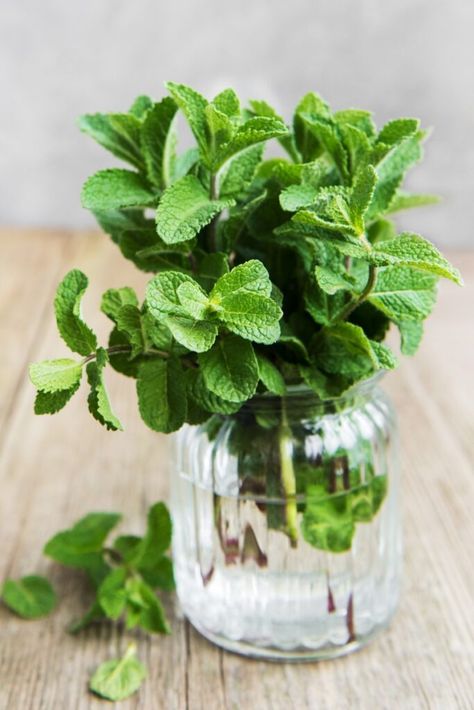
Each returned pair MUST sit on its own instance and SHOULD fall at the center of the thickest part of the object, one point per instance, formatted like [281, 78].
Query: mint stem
[212, 231]
[288, 479]
[352, 305]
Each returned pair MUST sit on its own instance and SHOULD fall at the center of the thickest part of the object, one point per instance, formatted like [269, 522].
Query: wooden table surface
[55, 469]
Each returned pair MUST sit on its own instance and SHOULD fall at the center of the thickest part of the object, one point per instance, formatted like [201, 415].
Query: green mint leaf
[327, 522]
[412, 250]
[30, 597]
[329, 137]
[117, 132]
[81, 545]
[398, 129]
[193, 105]
[129, 322]
[344, 349]
[331, 282]
[115, 189]
[118, 679]
[115, 298]
[145, 608]
[115, 222]
[250, 315]
[403, 293]
[141, 106]
[386, 359]
[405, 201]
[228, 102]
[206, 400]
[325, 386]
[162, 294]
[112, 595]
[240, 172]
[193, 299]
[322, 306]
[161, 395]
[127, 546]
[262, 108]
[194, 335]
[307, 143]
[99, 405]
[184, 163]
[230, 369]
[356, 118]
[270, 375]
[411, 333]
[255, 130]
[250, 277]
[157, 538]
[158, 142]
[184, 209]
[52, 402]
[220, 127]
[211, 267]
[361, 195]
[67, 305]
[296, 197]
[160, 574]
[56, 375]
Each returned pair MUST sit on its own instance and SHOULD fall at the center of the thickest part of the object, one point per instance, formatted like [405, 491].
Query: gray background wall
[61, 58]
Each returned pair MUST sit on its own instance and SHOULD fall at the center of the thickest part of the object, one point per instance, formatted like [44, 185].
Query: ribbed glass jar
[287, 540]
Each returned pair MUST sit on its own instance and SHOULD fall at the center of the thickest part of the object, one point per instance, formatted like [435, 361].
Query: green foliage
[118, 679]
[67, 305]
[30, 597]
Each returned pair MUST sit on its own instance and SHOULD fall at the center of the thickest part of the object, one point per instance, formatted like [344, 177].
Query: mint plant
[266, 273]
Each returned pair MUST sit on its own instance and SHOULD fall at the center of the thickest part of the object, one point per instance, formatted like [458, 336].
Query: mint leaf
[411, 334]
[115, 298]
[117, 132]
[255, 130]
[112, 595]
[412, 250]
[118, 679]
[52, 402]
[262, 108]
[240, 172]
[228, 102]
[405, 201]
[250, 315]
[206, 400]
[328, 135]
[230, 369]
[162, 294]
[129, 322]
[193, 105]
[325, 386]
[307, 143]
[327, 522]
[140, 106]
[158, 141]
[194, 335]
[184, 163]
[99, 405]
[193, 299]
[250, 277]
[344, 349]
[115, 189]
[30, 597]
[161, 395]
[157, 538]
[386, 359]
[220, 127]
[184, 209]
[56, 375]
[296, 197]
[398, 129]
[403, 293]
[331, 282]
[159, 574]
[270, 375]
[356, 118]
[361, 195]
[81, 545]
[145, 608]
[67, 305]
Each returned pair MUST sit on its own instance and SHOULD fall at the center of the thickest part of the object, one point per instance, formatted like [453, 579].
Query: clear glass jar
[287, 539]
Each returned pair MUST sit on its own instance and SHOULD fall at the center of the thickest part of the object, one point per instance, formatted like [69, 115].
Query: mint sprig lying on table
[269, 272]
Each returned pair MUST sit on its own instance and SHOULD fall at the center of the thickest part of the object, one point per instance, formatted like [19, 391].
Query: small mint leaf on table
[159, 574]
[157, 537]
[158, 142]
[30, 597]
[116, 189]
[161, 394]
[51, 376]
[67, 305]
[117, 132]
[99, 404]
[118, 679]
[145, 609]
[230, 369]
[115, 298]
[112, 595]
[185, 208]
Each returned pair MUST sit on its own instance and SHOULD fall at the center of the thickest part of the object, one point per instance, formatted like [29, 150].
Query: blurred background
[398, 57]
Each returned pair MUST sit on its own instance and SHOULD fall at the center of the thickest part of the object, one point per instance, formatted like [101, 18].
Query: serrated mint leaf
[157, 537]
[390, 172]
[322, 306]
[67, 305]
[52, 402]
[81, 545]
[200, 394]
[161, 394]
[160, 574]
[412, 250]
[228, 102]
[398, 129]
[98, 400]
[158, 142]
[162, 294]
[193, 299]
[149, 613]
[220, 127]
[230, 369]
[386, 359]
[403, 293]
[262, 108]
[270, 375]
[331, 282]
[184, 163]
[405, 201]
[193, 105]
[112, 595]
[250, 277]
[240, 172]
[327, 522]
[356, 118]
[307, 143]
[129, 322]
[252, 316]
[184, 209]
[115, 298]
[56, 375]
[115, 189]
[255, 130]
[344, 349]
[118, 679]
[194, 335]
[296, 197]
[117, 132]
[411, 333]
[325, 386]
[30, 597]
[361, 195]
[140, 106]
[326, 131]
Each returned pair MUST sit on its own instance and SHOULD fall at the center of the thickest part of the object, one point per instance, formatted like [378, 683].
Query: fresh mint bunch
[267, 272]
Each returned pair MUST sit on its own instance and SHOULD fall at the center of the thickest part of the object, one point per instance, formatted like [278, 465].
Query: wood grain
[55, 470]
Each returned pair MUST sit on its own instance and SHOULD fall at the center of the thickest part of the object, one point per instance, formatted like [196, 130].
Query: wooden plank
[54, 471]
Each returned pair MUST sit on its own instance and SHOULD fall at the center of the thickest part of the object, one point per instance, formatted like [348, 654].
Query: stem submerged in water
[288, 479]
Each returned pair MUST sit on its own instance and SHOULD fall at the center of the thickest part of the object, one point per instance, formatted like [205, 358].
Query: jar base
[295, 655]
